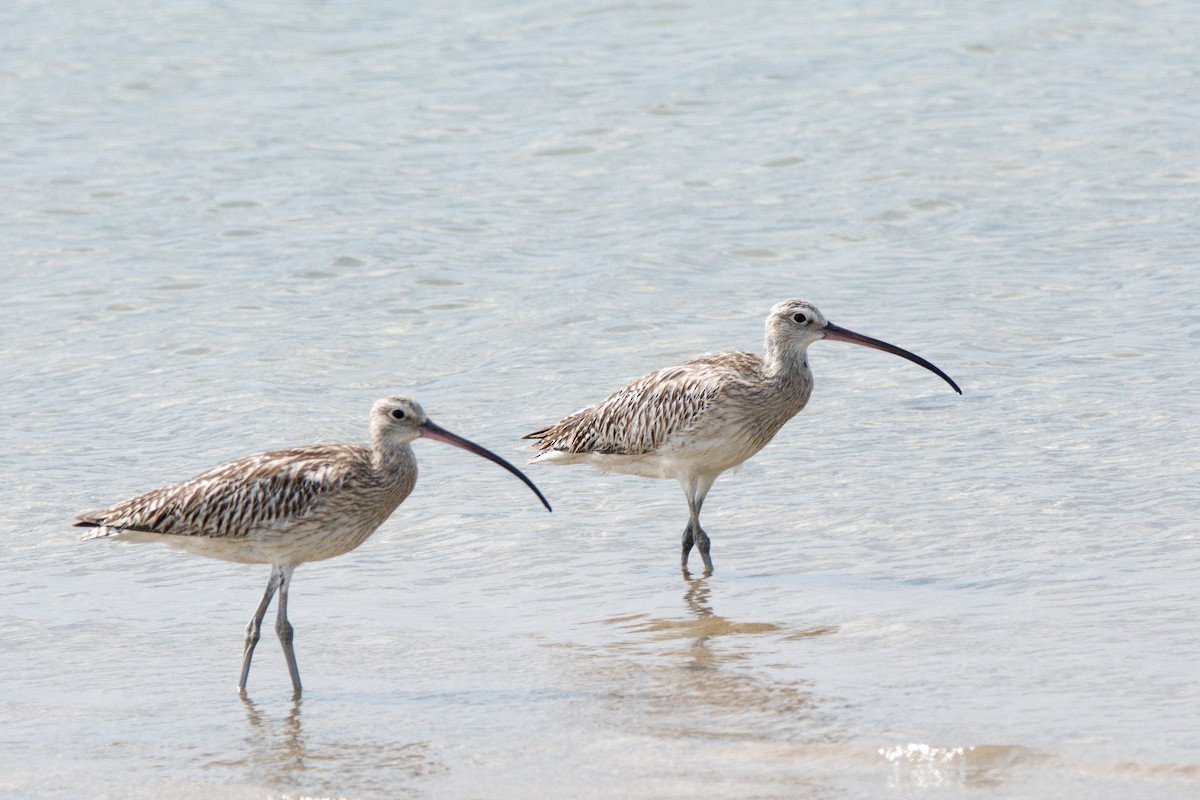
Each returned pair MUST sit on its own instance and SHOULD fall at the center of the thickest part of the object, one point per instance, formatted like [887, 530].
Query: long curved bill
[839, 334]
[440, 434]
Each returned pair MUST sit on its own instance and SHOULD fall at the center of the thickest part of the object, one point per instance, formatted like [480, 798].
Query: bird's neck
[395, 468]
[391, 456]
[786, 360]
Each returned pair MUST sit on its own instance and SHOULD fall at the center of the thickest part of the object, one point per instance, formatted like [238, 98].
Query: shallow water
[230, 228]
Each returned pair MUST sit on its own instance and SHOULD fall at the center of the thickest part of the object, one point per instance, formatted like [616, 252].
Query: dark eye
[397, 413]
[800, 318]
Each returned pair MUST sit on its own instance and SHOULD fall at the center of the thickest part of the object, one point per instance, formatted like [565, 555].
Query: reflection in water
[279, 753]
[719, 696]
[705, 624]
[713, 693]
[278, 749]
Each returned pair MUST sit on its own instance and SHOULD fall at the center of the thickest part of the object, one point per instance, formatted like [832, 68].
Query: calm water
[230, 227]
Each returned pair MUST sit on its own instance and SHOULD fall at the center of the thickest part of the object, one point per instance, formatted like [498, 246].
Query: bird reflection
[704, 623]
[713, 685]
[277, 745]
[279, 752]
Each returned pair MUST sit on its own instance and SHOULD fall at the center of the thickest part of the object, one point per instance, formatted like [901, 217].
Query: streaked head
[794, 323]
[400, 420]
[397, 419]
[798, 323]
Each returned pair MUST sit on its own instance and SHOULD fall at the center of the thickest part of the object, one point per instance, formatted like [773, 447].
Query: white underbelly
[296, 544]
[677, 459]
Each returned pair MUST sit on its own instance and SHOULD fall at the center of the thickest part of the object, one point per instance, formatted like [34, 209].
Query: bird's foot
[688, 540]
[704, 545]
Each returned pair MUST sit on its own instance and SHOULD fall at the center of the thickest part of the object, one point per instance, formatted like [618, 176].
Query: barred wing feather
[230, 500]
[640, 418]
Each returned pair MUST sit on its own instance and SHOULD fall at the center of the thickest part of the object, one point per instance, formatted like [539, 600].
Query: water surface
[230, 228]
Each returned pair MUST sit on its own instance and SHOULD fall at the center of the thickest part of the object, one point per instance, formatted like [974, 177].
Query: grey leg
[687, 545]
[703, 545]
[255, 627]
[284, 628]
[697, 489]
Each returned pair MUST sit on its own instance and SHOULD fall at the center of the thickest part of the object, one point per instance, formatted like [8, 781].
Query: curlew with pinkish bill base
[696, 420]
[287, 507]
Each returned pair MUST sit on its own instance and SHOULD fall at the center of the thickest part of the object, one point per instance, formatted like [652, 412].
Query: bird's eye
[397, 413]
[800, 318]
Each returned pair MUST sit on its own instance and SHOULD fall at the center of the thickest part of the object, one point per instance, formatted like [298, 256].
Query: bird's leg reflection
[706, 623]
[696, 598]
[277, 745]
[698, 671]
[697, 594]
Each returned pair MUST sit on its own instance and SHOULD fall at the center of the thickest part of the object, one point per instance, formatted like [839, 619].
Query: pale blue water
[229, 228]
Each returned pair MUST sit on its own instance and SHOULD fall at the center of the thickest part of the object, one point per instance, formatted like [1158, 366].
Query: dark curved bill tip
[839, 334]
[440, 434]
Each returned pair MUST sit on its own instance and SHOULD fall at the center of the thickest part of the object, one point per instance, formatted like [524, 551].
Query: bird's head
[397, 420]
[795, 324]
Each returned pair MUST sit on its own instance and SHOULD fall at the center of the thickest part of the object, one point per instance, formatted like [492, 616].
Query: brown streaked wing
[639, 418]
[230, 500]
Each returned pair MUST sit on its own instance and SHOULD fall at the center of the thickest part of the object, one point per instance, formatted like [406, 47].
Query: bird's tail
[94, 522]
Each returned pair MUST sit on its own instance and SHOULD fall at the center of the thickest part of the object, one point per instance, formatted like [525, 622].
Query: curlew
[287, 507]
[696, 420]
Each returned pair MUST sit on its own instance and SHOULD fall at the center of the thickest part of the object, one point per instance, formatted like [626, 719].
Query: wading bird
[287, 507]
[696, 420]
